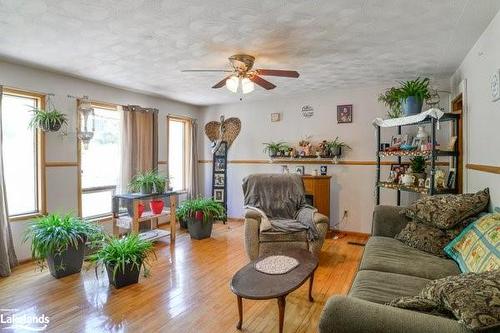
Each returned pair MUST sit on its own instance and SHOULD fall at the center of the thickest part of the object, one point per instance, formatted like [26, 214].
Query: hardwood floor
[187, 292]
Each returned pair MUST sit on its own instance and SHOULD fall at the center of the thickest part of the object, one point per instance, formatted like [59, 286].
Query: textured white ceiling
[144, 44]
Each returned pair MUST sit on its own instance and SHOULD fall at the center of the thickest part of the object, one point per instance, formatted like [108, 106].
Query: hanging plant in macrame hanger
[48, 118]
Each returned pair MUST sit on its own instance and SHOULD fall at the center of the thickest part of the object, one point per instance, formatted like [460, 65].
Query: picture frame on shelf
[450, 182]
[451, 144]
[219, 179]
[344, 114]
[323, 169]
[219, 195]
[397, 170]
[300, 170]
[417, 142]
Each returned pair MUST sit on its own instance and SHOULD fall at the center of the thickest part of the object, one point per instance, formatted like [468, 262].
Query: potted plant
[147, 181]
[123, 259]
[200, 214]
[412, 95]
[48, 120]
[273, 148]
[156, 206]
[60, 241]
[392, 99]
[418, 164]
[334, 148]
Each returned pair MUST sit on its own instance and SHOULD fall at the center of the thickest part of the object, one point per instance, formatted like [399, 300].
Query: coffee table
[251, 284]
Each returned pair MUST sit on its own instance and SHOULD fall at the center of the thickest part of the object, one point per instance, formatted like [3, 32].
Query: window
[178, 143]
[100, 163]
[21, 153]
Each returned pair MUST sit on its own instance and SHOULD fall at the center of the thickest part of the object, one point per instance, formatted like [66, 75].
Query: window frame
[186, 142]
[40, 163]
[97, 189]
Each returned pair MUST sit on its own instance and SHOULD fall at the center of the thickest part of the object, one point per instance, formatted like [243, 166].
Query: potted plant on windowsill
[123, 259]
[60, 241]
[148, 181]
[200, 214]
[48, 120]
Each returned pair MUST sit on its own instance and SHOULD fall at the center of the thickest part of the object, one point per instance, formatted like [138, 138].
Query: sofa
[280, 196]
[389, 269]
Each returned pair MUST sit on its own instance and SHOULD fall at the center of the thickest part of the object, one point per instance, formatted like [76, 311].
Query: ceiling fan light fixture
[247, 86]
[232, 83]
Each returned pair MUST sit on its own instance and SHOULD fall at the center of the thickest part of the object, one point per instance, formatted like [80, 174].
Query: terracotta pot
[156, 206]
[140, 208]
[198, 216]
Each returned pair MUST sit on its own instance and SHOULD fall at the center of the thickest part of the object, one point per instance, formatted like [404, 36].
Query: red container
[198, 216]
[156, 206]
[140, 209]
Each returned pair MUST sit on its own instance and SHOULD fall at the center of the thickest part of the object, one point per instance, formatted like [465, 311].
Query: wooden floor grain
[187, 292]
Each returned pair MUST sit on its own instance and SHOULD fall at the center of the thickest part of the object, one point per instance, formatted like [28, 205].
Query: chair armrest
[387, 221]
[252, 230]
[252, 214]
[343, 314]
[320, 218]
[322, 224]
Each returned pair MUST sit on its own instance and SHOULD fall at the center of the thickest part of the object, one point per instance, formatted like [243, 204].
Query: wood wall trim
[484, 168]
[310, 162]
[162, 162]
[56, 164]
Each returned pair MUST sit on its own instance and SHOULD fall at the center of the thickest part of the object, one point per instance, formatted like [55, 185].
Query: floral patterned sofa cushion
[446, 211]
[472, 298]
[477, 248]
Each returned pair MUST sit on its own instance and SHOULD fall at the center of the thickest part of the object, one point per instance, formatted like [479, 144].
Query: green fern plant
[418, 88]
[210, 209]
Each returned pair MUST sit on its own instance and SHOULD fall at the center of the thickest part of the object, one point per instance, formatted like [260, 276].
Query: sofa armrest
[252, 230]
[343, 314]
[322, 224]
[387, 221]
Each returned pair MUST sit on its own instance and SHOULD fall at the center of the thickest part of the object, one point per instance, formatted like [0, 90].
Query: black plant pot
[336, 151]
[51, 128]
[122, 279]
[200, 229]
[67, 262]
[183, 223]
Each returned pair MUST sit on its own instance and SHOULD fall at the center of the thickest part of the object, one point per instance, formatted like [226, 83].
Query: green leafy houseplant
[392, 99]
[200, 214]
[123, 259]
[146, 182]
[272, 148]
[418, 88]
[48, 120]
[60, 240]
[335, 147]
[418, 164]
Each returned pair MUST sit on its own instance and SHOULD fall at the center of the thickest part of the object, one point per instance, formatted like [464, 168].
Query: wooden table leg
[173, 222]
[311, 280]
[240, 312]
[281, 308]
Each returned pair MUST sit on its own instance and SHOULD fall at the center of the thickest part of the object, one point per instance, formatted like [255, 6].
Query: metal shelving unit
[432, 154]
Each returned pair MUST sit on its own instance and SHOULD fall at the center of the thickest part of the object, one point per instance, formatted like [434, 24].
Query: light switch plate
[495, 86]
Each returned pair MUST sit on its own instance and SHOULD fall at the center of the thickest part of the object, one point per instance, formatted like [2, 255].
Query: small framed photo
[396, 140]
[300, 170]
[276, 116]
[323, 170]
[219, 164]
[397, 170]
[451, 144]
[219, 195]
[344, 114]
[219, 179]
[417, 142]
[452, 175]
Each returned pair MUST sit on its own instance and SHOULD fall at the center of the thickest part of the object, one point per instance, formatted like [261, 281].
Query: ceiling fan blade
[261, 82]
[206, 70]
[221, 83]
[277, 72]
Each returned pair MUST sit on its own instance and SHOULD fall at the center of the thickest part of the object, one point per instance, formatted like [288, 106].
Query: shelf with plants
[405, 106]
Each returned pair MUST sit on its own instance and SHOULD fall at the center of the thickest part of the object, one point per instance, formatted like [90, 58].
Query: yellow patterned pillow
[477, 248]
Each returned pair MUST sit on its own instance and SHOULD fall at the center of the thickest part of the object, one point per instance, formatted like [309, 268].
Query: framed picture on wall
[219, 179]
[219, 195]
[344, 114]
[300, 170]
[219, 164]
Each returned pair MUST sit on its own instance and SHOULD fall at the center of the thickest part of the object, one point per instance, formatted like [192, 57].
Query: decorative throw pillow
[429, 239]
[446, 211]
[477, 248]
[472, 298]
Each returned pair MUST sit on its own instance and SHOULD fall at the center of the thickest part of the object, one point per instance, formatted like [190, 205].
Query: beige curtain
[8, 257]
[139, 142]
[192, 170]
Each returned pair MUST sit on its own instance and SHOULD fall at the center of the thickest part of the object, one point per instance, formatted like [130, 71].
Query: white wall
[62, 181]
[483, 115]
[352, 187]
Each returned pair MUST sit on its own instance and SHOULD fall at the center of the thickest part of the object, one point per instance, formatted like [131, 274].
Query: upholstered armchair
[276, 199]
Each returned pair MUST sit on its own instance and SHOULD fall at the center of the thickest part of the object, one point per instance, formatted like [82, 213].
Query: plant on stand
[412, 94]
[148, 181]
[123, 259]
[60, 241]
[391, 99]
[273, 148]
[200, 214]
[418, 164]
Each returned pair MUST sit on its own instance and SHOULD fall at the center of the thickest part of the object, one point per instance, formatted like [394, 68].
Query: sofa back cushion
[446, 211]
[477, 248]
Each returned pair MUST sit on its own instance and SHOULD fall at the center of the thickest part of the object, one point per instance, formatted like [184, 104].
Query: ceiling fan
[243, 76]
